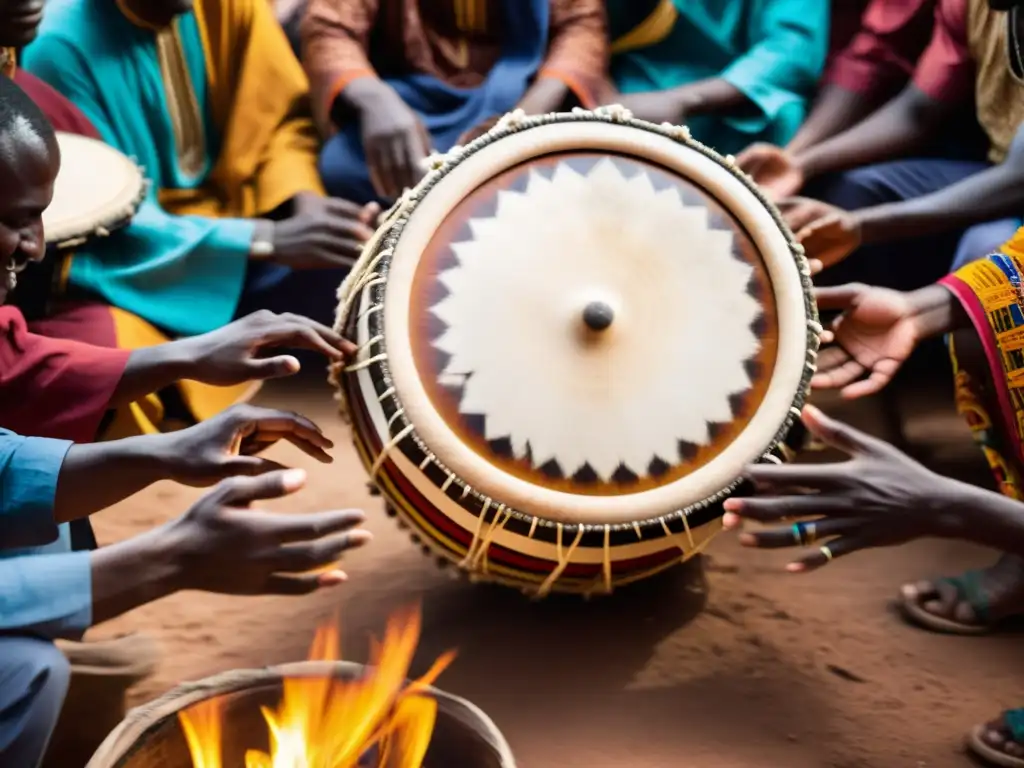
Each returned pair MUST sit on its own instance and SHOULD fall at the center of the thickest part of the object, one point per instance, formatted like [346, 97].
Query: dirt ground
[725, 663]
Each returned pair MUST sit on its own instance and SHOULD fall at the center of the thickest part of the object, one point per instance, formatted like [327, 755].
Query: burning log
[322, 713]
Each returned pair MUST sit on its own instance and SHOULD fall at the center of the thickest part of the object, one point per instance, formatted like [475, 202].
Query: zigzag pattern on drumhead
[515, 289]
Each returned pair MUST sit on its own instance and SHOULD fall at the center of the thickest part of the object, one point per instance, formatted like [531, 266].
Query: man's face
[19, 22]
[29, 169]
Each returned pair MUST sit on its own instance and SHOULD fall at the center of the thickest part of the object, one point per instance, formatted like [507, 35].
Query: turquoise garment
[771, 50]
[45, 588]
[182, 273]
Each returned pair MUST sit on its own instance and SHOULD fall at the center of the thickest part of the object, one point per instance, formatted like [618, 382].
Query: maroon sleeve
[946, 71]
[54, 387]
[62, 114]
[880, 57]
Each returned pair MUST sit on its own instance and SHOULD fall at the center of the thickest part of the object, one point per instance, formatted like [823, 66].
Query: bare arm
[711, 95]
[97, 475]
[991, 194]
[835, 109]
[897, 129]
[980, 516]
[937, 311]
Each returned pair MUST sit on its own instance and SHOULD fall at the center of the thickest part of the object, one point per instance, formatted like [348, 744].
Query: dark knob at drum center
[598, 316]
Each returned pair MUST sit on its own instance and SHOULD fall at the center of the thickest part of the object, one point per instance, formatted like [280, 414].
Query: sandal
[968, 589]
[991, 741]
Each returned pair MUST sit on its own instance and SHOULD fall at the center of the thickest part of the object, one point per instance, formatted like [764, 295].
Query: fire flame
[379, 721]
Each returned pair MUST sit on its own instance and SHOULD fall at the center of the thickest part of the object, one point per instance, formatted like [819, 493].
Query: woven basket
[150, 736]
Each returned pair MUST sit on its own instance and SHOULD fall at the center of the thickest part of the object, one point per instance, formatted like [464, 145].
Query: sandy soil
[726, 663]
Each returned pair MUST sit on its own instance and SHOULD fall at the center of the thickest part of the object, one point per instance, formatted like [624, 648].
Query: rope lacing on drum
[563, 561]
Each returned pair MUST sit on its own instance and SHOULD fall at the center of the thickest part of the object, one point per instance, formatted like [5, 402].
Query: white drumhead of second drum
[97, 188]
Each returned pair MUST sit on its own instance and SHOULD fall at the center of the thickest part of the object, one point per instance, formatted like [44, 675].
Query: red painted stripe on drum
[434, 523]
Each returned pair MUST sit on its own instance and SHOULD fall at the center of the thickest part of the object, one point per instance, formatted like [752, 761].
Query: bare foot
[971, 603]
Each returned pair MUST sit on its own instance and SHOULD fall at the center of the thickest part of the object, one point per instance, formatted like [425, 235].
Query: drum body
[573, 336]
[97, 191]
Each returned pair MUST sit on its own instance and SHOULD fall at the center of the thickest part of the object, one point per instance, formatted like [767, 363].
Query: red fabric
[85, 322]
[946, 71]
[54, 387]
[844, 23]
[62, 114]
[880, 57]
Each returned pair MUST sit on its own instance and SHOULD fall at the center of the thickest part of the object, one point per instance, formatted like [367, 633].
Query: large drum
[573, 336]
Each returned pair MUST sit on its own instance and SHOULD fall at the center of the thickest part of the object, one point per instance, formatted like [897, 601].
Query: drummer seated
[907, 217]
[217, 546]
[212, 103]
[436, 75]
[733, 71]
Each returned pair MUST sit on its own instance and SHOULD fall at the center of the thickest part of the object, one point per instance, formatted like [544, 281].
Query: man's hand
[323, 233]
[773, 169]
[873, 337]
[222, 545]
[236, 353]
[226, 444]
[827, 233]
[394, 141]
[879, 498]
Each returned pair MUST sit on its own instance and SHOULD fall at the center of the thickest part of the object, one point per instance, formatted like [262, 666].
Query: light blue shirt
[45, 588]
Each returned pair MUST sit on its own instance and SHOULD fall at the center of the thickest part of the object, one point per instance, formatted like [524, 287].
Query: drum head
[594, 323]
[97, 190]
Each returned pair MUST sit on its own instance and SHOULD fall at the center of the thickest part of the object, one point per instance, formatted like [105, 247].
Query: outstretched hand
[234, 354]
[227, 444]
[221, 545]
[873, 336]
[879, 497]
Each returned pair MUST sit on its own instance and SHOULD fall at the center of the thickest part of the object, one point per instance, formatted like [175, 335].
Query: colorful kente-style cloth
[456, 63]
[58, 372]
[991, 396]
[215, 108]
[773, 51]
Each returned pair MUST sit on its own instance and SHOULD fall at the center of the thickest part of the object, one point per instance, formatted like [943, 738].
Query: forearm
[936, 312]
[981, 516]
[707, 96]
[898, 128]
[835, 110]
[132, 573]
[151, 369]
[992, 194]
[547, 94]
[97, 475]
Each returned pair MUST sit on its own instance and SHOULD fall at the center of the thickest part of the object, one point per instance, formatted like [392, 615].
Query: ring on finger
[809, 532]
[827, 553]
[798, 534]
